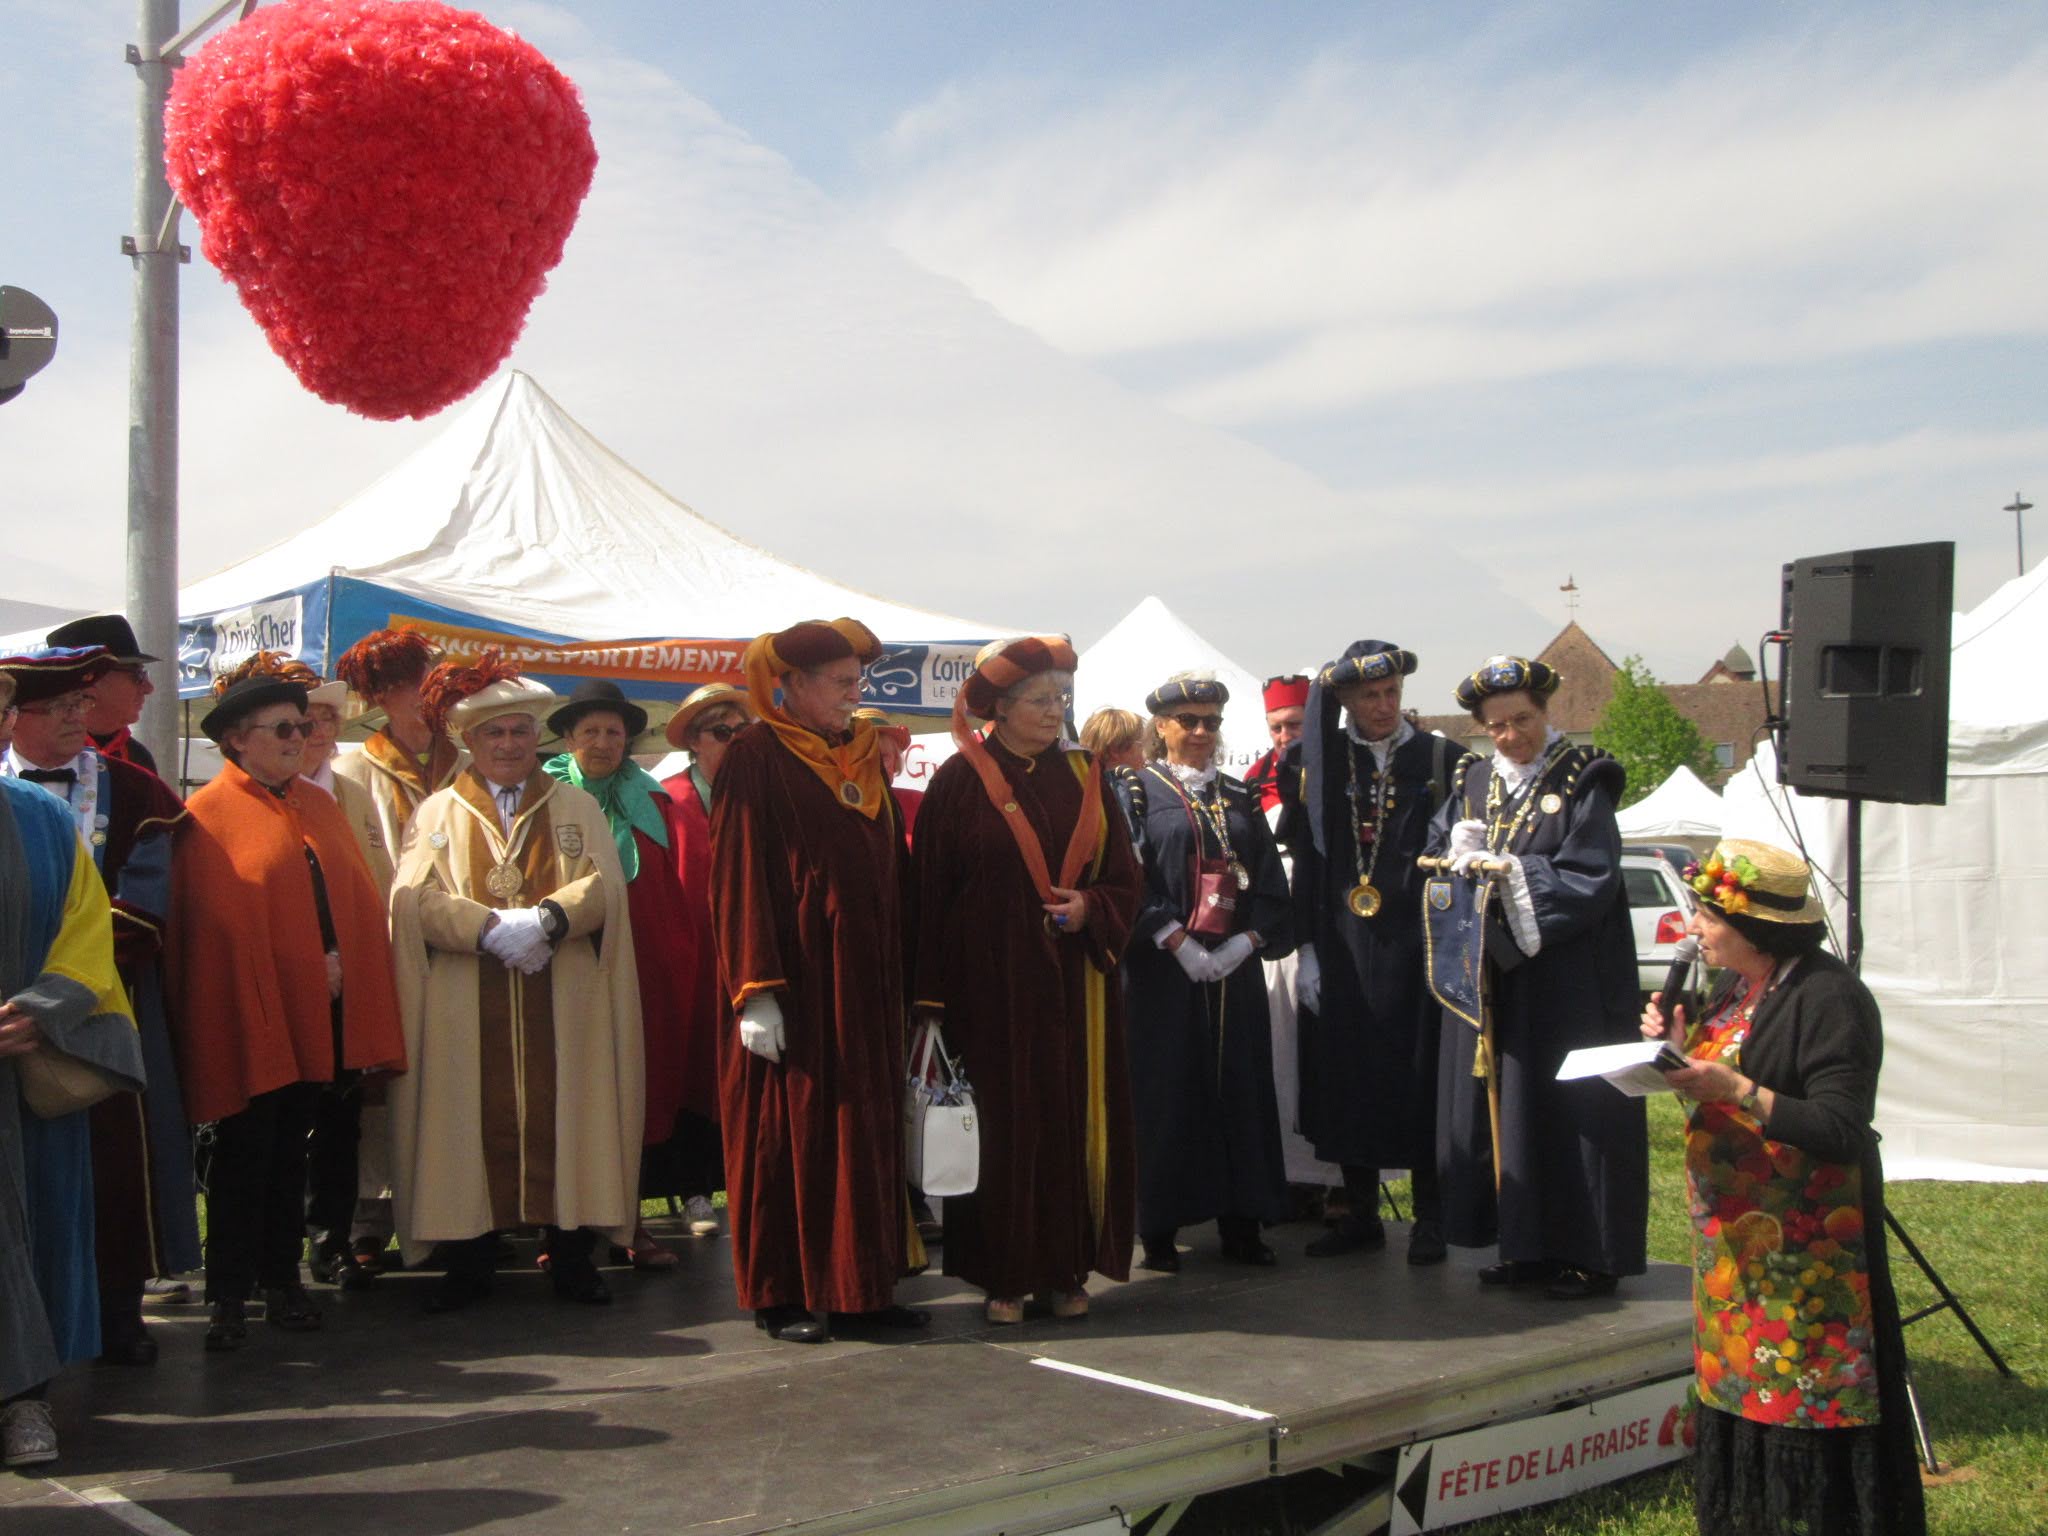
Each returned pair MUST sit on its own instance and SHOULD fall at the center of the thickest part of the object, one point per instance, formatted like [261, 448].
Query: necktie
[508, 803]
[50, 775]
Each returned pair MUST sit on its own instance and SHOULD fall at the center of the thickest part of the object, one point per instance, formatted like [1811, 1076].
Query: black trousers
[331, 1162]
[1425, 1190]
[689, 1161]
[256, 1192]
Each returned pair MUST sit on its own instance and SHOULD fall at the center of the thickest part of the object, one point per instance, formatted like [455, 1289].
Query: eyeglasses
[1059, 701]
[71, 706]
[284, 730]
[1521, 722]
[1197, 722]
[724, 731]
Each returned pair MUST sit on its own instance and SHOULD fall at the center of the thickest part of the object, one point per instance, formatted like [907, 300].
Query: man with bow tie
[142, 1159]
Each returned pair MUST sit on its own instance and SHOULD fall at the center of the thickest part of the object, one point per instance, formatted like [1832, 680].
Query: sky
[1321, 322]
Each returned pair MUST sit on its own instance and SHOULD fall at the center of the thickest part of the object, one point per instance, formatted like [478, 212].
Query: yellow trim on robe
[83, 950]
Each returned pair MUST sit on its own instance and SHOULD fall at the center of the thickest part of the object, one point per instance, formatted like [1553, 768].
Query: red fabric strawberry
[387, 186]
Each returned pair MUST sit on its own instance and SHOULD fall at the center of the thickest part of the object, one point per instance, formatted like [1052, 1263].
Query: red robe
[806, 900]
[671, 950]
[695, 964]
[248, 980]
[1016, 1017]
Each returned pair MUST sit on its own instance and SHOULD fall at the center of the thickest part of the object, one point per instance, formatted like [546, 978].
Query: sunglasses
[1197, 722]
[724, 731]
[284, 730]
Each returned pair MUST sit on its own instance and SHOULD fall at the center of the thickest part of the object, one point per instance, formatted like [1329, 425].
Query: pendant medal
[1363, 899]
[1241, 875]
[504, 881]
[1552, 804]
[850, 793]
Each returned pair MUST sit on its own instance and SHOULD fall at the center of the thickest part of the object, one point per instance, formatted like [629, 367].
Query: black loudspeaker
[1865, 701]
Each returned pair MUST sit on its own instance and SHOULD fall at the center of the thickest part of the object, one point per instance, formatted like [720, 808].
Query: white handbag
[941, 1127]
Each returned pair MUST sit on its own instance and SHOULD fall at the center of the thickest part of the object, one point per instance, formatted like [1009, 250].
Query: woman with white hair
[1201, 1045]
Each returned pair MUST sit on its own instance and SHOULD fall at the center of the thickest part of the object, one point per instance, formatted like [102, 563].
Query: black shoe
[340, 1266]
[1517, 1272]
[1574, 1284]
[792, 1325]
[456, 1289]
[1250, 1250]
[581, 1282]
[1426, 1243]
[126, 1342]
[1349, 1236]
[229, 1327]
[1161, 1256]
[290, 1308]
[882, 1320]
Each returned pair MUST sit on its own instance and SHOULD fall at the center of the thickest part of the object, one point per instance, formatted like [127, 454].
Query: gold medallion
[850, 793]
[1363, 899]
[1241, 875]
[1552, 803]
[504, 881]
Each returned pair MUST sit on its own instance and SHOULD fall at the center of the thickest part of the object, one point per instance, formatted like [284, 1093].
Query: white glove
[1197, 961]
[761, 1026]
[1466, 836]
[1308, 978]
[501, 939]
[532, 951]
[1462, 863]
[1232, 953]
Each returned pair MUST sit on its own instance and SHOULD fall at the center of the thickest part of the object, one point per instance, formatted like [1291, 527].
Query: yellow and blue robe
[57, 964]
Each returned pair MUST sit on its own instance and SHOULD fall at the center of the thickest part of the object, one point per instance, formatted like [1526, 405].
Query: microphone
[1682, 957]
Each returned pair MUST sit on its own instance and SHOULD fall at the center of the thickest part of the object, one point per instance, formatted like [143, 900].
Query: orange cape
[247, 968]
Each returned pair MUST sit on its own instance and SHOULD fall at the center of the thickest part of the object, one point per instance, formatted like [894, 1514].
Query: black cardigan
[1816, 1042]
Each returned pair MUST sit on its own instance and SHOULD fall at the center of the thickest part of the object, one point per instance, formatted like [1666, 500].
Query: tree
[1644, 731]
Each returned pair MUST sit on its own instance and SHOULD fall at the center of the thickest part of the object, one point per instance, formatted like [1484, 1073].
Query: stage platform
[670, 1412]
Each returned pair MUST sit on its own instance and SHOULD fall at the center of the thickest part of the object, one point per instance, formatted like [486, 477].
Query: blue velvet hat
[1367, 661]
[1185, 690]
[1507, 674]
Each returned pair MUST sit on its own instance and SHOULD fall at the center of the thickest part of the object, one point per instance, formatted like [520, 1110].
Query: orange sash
[852, 772]
[1080, 847]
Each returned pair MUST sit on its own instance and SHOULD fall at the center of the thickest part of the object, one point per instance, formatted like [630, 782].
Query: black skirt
[1770, 1480]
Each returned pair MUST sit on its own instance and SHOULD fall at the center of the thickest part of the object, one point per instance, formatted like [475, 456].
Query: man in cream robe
[514, 955]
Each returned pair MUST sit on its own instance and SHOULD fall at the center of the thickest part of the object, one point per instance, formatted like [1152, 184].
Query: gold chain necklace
[1497, 802]
[1364, 898]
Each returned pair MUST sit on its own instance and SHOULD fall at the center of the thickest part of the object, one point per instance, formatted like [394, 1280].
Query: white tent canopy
[1955, 900]
[1150, 644]
[1679, 807]
[515, 512]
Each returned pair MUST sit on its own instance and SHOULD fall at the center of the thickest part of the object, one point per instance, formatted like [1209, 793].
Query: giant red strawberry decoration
[387, 186]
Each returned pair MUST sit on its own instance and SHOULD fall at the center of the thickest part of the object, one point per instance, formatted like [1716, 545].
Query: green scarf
[628, 801]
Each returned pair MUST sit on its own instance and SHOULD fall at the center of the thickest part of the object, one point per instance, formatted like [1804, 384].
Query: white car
[1660, 904]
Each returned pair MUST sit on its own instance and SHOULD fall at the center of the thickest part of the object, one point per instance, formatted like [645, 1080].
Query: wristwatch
[1751, 1104]
[554, 922]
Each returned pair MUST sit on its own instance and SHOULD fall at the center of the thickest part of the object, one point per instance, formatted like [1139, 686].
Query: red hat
[1288, 692]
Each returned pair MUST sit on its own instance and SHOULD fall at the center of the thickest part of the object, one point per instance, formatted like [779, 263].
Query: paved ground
[670, 1411]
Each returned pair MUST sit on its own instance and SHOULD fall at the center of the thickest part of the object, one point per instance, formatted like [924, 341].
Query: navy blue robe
[1201, 1057]
[1574, 1156]
[1369, 1051]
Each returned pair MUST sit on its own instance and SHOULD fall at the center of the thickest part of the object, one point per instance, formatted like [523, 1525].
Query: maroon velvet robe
[806, 900]
[693, 965]
[670, 953]
[1015, 1009]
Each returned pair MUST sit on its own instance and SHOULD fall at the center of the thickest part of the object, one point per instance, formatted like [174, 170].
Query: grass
[1990, 1243]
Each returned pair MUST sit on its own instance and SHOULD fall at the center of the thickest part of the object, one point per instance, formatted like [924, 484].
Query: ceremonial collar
[1191, 779]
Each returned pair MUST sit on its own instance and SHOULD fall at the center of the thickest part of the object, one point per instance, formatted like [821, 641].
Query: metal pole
[154, 253]
[2019, 533]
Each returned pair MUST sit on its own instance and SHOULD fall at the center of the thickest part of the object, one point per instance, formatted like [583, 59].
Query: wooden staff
[1443, 866]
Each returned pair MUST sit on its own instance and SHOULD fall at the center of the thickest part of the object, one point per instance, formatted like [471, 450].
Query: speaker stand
[1852, 944]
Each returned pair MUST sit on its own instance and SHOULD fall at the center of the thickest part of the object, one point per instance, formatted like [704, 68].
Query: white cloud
[1365, 228]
